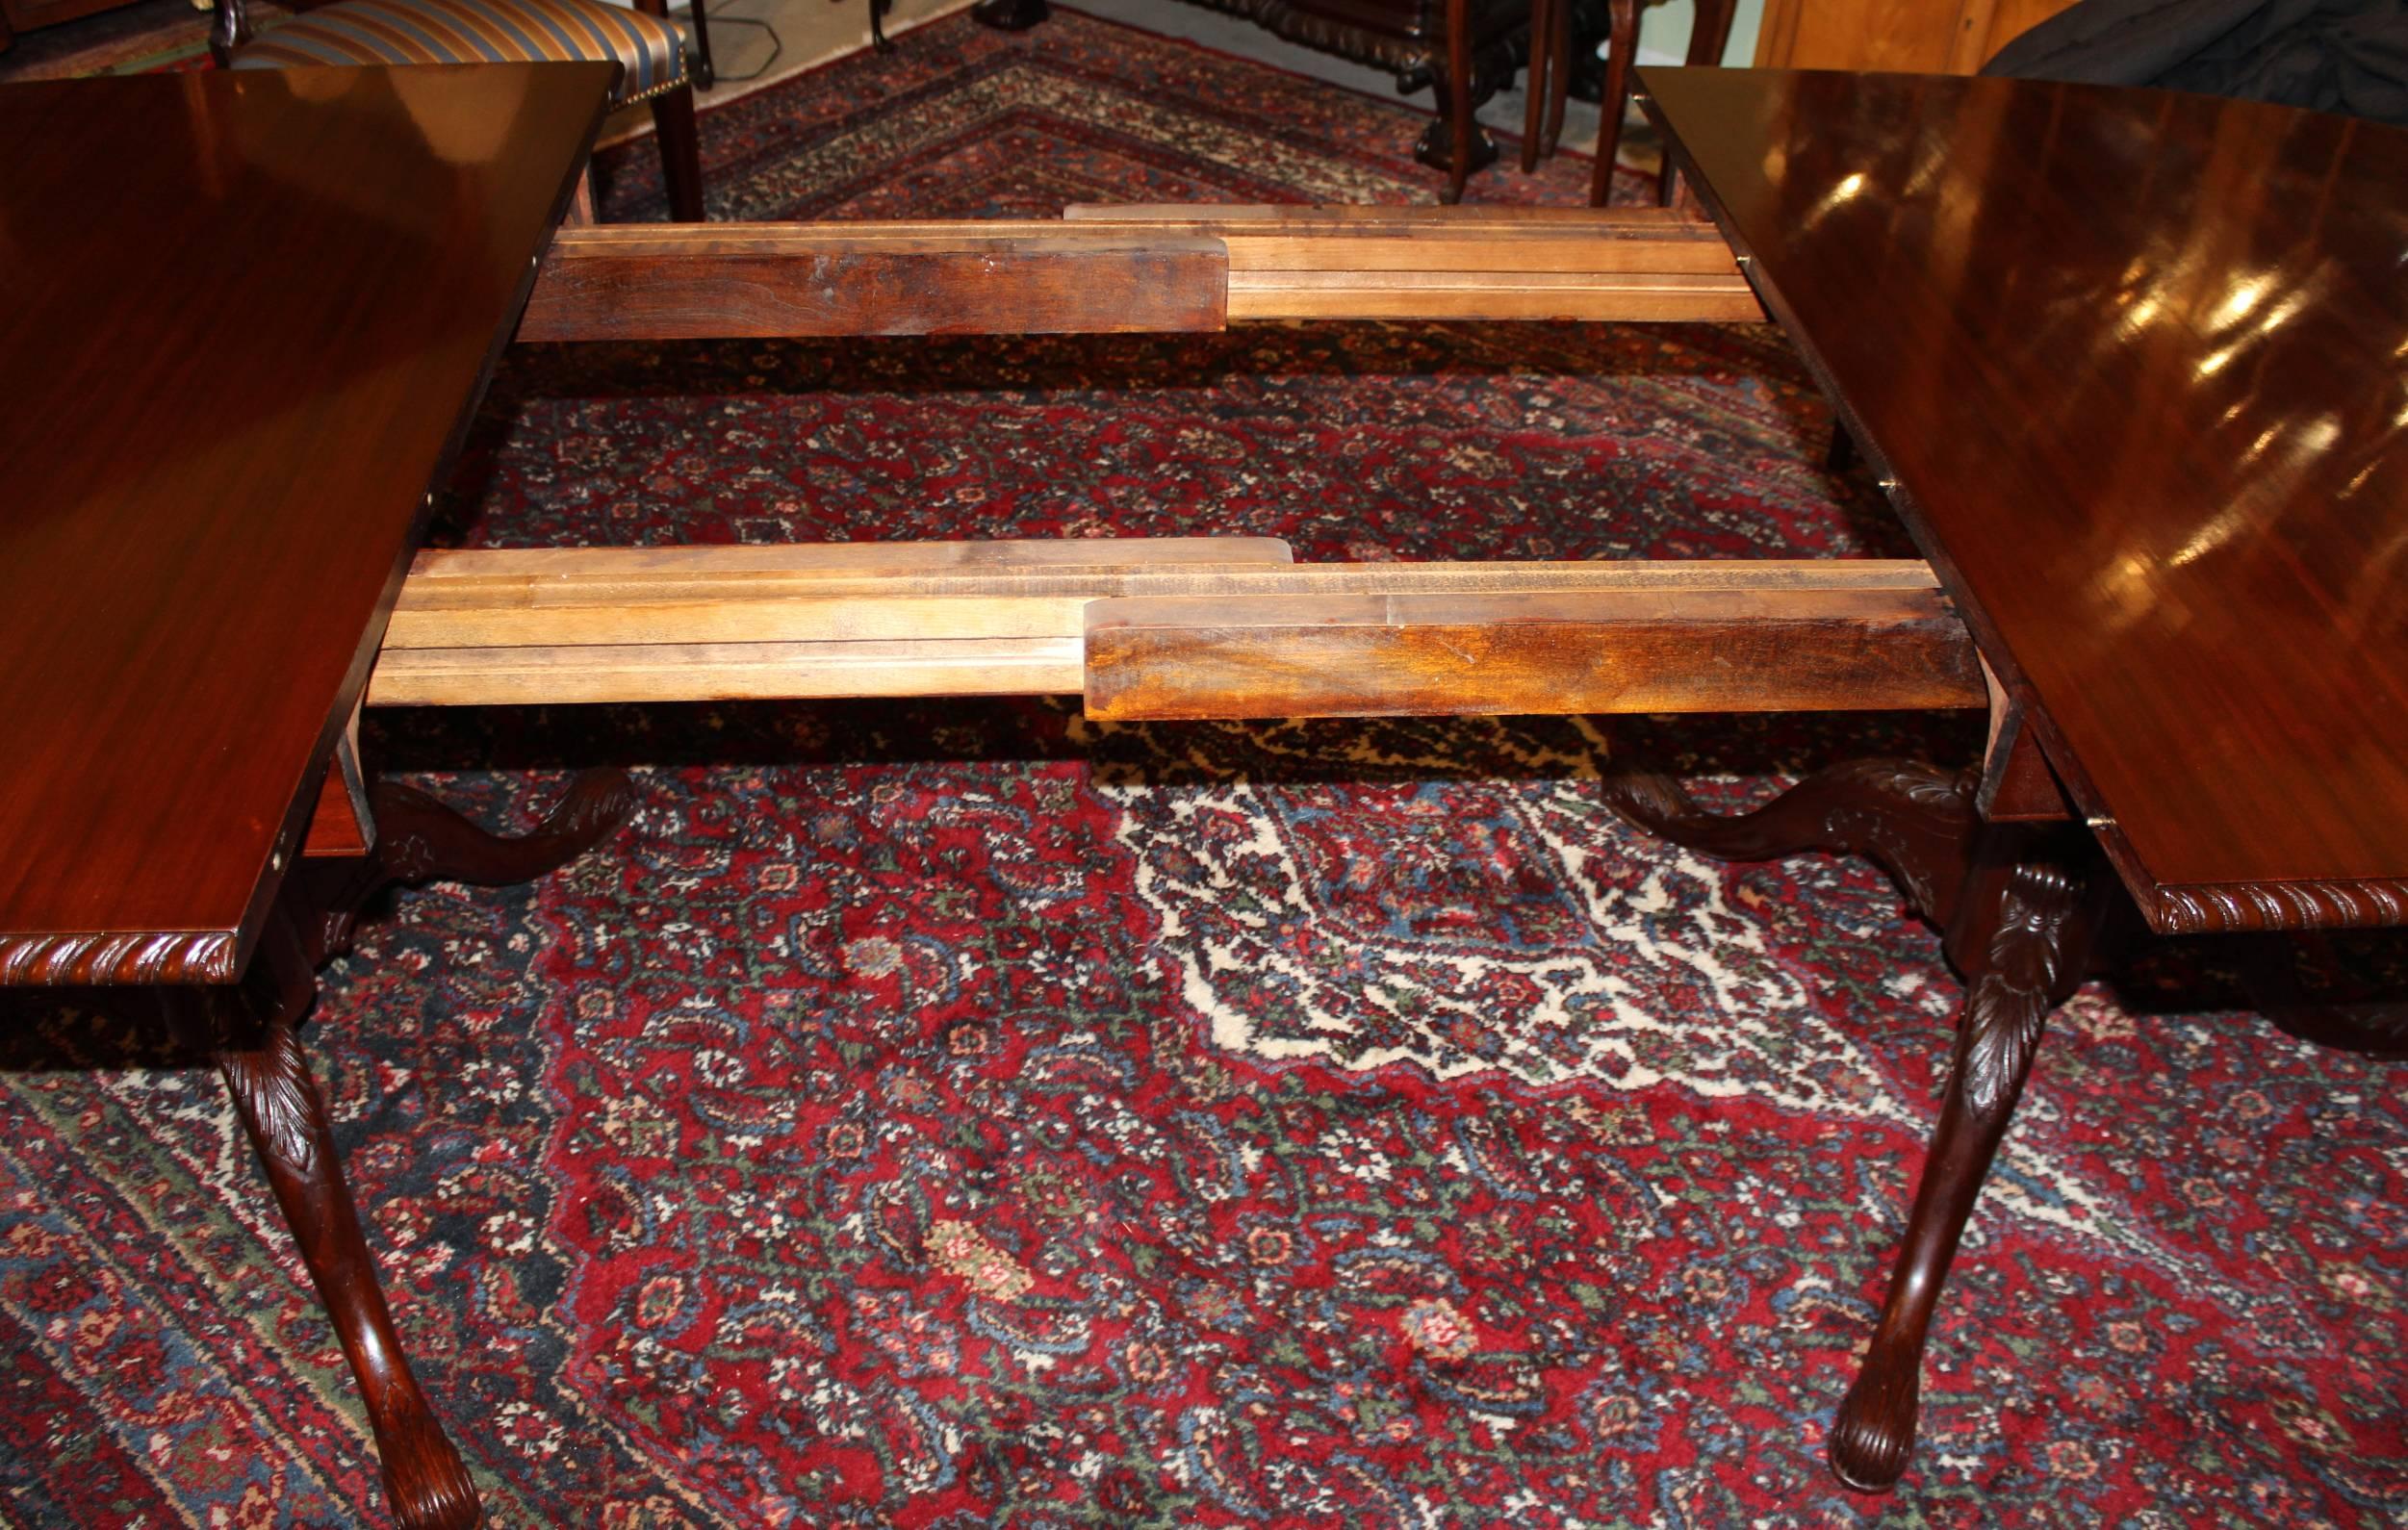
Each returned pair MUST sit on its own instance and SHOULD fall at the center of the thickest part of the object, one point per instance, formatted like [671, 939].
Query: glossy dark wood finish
[255, 1034]
[236, 364]
[2131, 361]
[2019, 906]
[277, 1100]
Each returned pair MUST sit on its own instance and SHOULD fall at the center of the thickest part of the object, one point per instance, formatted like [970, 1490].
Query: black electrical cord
[719, 18]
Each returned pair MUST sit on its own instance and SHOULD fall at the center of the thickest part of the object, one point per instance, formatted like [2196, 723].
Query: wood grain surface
[248, 315]
[1130, 270]
[2131, 363]
[1809, 646]
[798, 280]
[1175, 627]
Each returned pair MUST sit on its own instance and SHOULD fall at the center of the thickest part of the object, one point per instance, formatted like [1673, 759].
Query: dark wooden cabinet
[1904, 36]
[1407, 38]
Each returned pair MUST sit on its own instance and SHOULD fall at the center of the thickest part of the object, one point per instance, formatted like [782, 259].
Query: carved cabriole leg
[2021, 907]
[260, 1054]
[254, 1032]
[2021, 938]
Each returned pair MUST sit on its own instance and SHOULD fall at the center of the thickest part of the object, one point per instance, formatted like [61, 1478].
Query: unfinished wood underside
[1193, 627]
[1122, 269]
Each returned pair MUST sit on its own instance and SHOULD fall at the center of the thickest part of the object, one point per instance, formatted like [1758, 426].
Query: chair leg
[1535, 75]
[1559, 73]
[705, 74]
[1622, 40]
[1711, 34]
[228, 30]
[681, 154]
[1458, 97]
[1708, 39]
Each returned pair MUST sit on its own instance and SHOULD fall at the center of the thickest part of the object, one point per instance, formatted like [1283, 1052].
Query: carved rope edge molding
[2280, 906]
[56, 961]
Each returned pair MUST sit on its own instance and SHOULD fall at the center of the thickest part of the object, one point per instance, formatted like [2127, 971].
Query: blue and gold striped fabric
[650, 51]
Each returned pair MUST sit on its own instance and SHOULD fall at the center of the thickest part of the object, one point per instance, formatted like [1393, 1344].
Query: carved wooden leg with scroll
[419, 839]
[2020, 907]
[1916, 821]
[255, 1035]
[260, 1054]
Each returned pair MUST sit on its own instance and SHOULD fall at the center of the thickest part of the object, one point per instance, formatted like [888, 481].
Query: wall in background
[1664, 32]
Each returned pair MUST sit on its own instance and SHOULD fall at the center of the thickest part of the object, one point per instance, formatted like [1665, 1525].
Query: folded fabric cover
[2347, 56]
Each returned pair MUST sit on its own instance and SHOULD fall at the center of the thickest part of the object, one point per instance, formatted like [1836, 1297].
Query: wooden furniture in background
[1548, 78]
[1904, 36]
[27, 15]
[1463, 65]
[1708, 38]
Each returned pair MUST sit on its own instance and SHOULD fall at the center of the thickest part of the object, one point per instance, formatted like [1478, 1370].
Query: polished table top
[2137, 366]
[248, 319]
[2134, 362]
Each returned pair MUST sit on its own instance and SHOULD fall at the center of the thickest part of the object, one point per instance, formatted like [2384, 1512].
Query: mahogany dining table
[2129, 365]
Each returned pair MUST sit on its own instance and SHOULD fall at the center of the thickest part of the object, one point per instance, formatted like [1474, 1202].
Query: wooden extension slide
[1196, 628]
[1180, 627]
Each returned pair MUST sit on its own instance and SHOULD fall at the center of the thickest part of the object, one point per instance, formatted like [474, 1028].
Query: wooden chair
[650, 51]
[1707, 41]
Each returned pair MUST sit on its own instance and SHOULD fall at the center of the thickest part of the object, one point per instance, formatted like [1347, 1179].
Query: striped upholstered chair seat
[650, 52]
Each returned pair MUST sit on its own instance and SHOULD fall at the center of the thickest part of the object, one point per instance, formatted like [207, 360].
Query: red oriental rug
[963, 1115]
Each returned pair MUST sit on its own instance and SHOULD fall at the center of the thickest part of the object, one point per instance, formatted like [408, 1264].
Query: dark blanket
[2348, 55]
